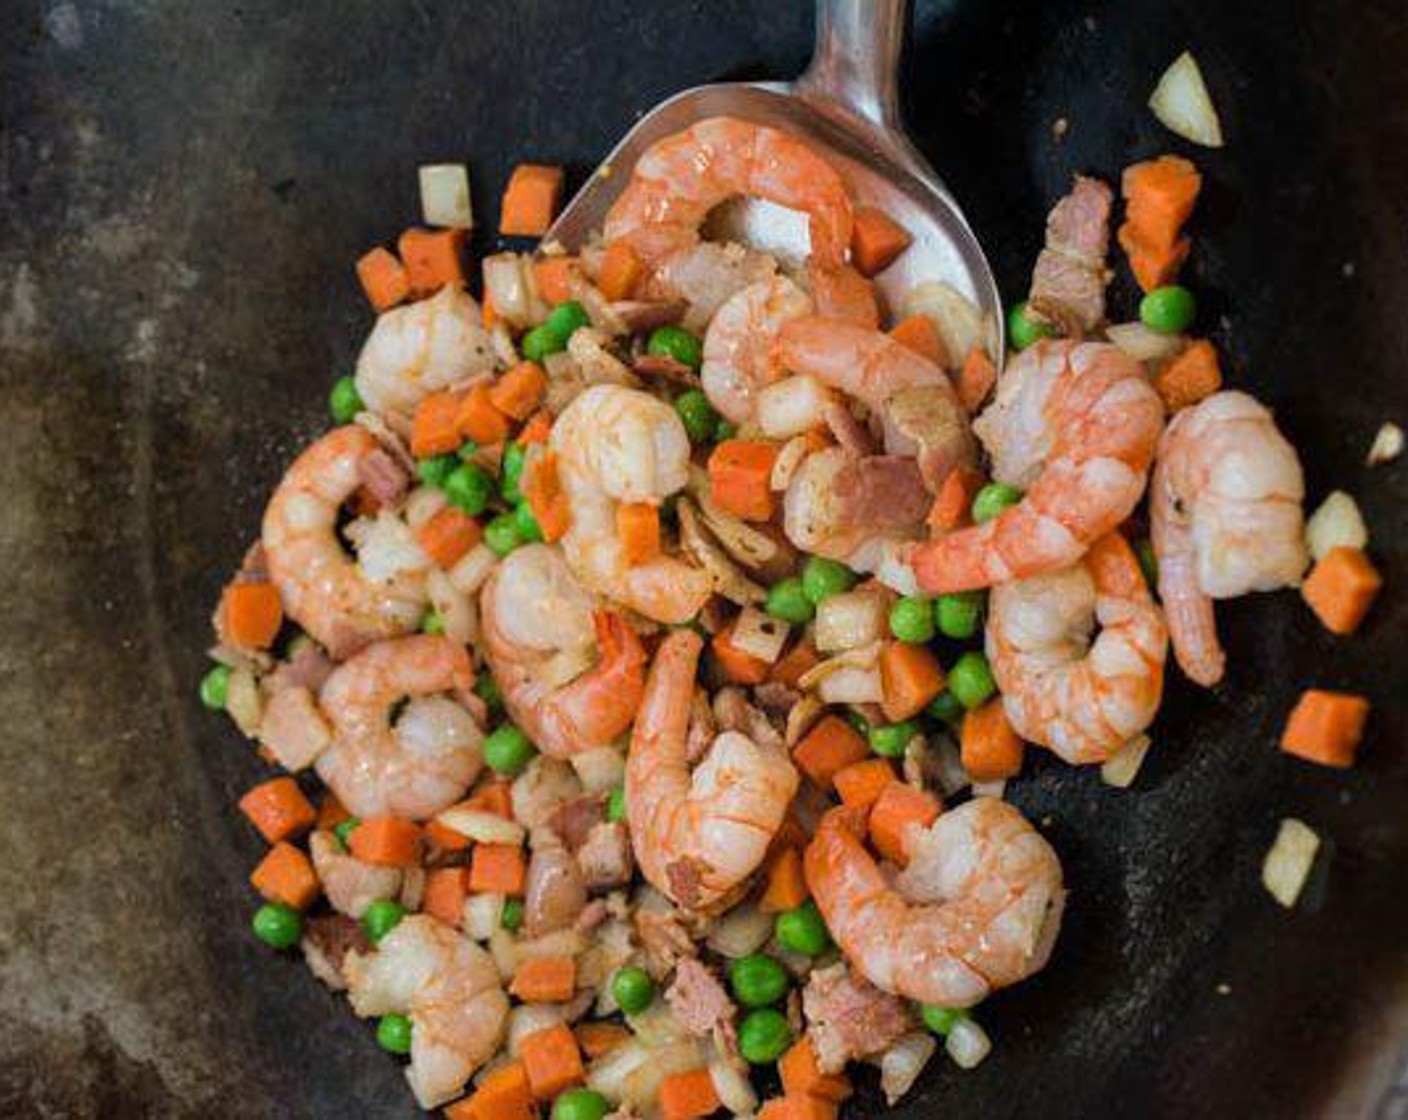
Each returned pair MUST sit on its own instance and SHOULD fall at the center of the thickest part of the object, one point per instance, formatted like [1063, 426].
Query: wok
[184, 187]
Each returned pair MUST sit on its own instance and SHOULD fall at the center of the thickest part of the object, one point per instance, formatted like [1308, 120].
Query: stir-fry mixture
[647, 646]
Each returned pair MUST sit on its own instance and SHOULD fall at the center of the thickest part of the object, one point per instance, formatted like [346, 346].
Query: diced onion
[1387, 446]
[641, 1088]
[734, 1089]
[1336, 524]
[508, 282]
[967, 1043]
[423, 503]
[852, 686]
[948, 766]
[412, 891]
[560, 943]
[729, 579]
[787, 462]
[608, 1073]
[895, 571]
[759, 635]
[1289, 860]
[902, 1063]
[743, 542]
[1121, 768]
[503, 947]
[501, 341]
[243, 703]
[444, 196]
[599, 769]
[994, 789]
[792, 406]
[482, 827]
[473, 568]
[1143, 344]
[741, 932]
[1183, 105]
[959, 322]
[386, 547]
[481, 915]
[851, 619]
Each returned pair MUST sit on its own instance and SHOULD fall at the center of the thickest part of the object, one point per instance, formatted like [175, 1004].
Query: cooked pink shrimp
[1081, 699]
[429, 756]
[679, 179]
[739, 357]
[321, 585]
[1225, 511]
[451, 990]
[615, 445]
[698, 836]
[536, 617]
[1075, 425]
[977, 908]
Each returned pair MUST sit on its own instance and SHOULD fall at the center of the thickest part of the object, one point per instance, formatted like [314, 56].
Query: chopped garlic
[1288, 862]
[1337, 523]
[444, 196]
[1387, 446]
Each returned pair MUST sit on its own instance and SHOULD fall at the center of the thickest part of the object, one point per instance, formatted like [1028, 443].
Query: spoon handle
[855, 65]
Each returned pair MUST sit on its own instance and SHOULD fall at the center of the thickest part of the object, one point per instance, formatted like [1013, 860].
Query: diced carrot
[788, 668]
[1159, 198]
[597, 1038]
[479, 418]
[688, 1095]
[497, 869]
[876, 240]
[1154, 268]
[861, 783]
[920, 335]
[432, 259]
[386, 841]
[502, 1094]
[331, 812]
[543, 491]
[285, 875]
[737, 666]
[251, 614]
[1189, 376]
[278, 809]
[554, 278]
[435, 427]
[801, 1074]
[536, 430]
[991, 750]
[447, 535]
[552, 1061]
[531, 199]
[898, 806]
[1325, 727]
[383, 279]
[739, 477]
[443, 838]
[786, 888]
[638, 526]
[797, 1106]
[545, 980]
[975, 380]
[827, 748]
[519, 391]
[910, 676]
[445, 891]
[494, 796]
[955, 499]
[843, 293]
[1341, 588]
[620, 270]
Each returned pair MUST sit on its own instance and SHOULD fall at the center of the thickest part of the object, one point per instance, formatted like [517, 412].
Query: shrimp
[615, 445]
[977, 908]
[738, 348]
[1081, 699]
[679, 179]
[321, 586]
[451, 990]
[1075, 424]
[913, 396]
[350, 884]
[422, 347]
[1225, 511]
[535, 618]
[698, 837]
[428, 757]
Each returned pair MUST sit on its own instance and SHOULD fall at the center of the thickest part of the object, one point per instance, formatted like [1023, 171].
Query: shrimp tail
[1192, 623]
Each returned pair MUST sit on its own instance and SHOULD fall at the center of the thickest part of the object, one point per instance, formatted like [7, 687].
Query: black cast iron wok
[183, 188]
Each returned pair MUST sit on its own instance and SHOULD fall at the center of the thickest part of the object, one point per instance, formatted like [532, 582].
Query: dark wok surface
[183, 189]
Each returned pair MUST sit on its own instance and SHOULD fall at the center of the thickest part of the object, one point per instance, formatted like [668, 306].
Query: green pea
[941, 1020]
[435, 470]
[432, 623]
[970, 680]
[541, 341]
[507, 750]
[469, 486]
[992, 499]
[488, 691]
[467, 450]
[890, 739]
[633, 988]
[528, 529]
[566, 319]
[344, 402]
[1023, 330]
[393, 1034]
[802, 930]
[700, 419]
[945, 707]
[511, 473]
[381, 917]
[823, 578]
[343, 831]
[502, 534]
[727, 429]
[1168, 310]
[912, 619]
[788, 601]
[511, 916]
[1148, 561]
[616, 805]
[757, 980]
[580, 1104]
[215, 687]
[277, 925]
[764, 1036]
[677, 343]
[959, 613]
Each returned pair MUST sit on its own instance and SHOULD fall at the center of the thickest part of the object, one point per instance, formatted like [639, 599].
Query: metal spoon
[846, 105]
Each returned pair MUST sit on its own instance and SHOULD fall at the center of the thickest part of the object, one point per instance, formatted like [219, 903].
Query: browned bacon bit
[698, 999]
[664, 939]
[326, 942]
[639, 316]
[776, 698]
[1068, 283]
[662, 365]
[850, 433]
[574, 818]
[733, 713]
[383, 476]
[850, 1017]
[605, 857]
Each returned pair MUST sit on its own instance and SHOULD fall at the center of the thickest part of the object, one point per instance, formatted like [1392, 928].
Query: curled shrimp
[451, 990]
[539, 624]
[427, 757]
[698, 836]
[1075, 425]
[1225, 511]
[679, 179]
[739, 358]
[321, 585]
[1082, 699]
[977, 908]
[617, 445]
